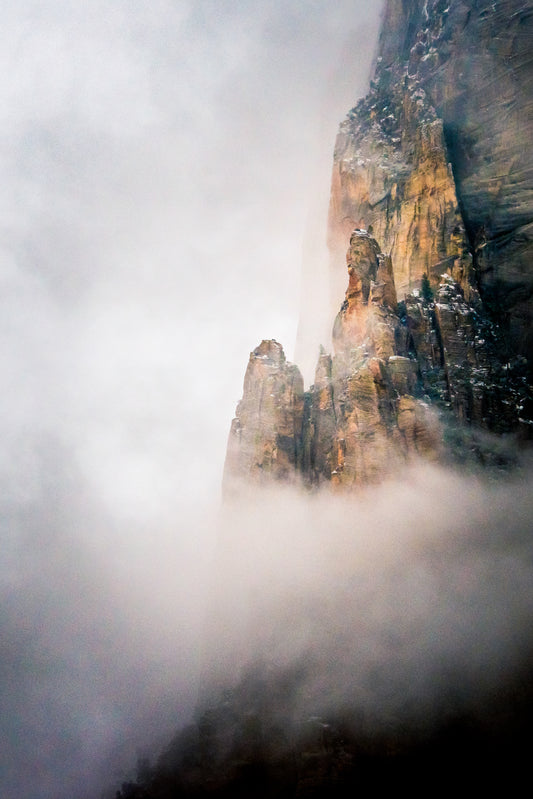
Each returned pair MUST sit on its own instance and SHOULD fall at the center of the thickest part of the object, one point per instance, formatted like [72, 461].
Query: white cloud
[157, 162]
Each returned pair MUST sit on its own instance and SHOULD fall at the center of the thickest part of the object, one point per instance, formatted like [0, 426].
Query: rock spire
[432, 192]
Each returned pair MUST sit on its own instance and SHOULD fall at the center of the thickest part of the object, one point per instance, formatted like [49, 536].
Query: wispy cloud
[157, 161]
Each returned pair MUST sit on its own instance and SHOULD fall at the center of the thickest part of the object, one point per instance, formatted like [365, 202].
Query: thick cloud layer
[158, 162]
[407, 602]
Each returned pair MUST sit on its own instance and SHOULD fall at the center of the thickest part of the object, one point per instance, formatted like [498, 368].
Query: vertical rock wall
[438, 159]
[266, 433]
[432, 190]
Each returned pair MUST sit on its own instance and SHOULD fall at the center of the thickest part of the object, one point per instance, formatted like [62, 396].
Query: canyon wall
[432, 194]
[437, 157]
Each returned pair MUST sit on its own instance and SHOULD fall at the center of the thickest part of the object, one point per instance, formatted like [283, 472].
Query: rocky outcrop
[366, 415]
[433, 188]
[437, 158]
[431, 358]
[265, 435]
[391, 174]
[413, 379]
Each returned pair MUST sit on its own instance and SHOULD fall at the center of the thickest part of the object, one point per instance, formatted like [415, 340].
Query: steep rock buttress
[432, 191]
[437, 157]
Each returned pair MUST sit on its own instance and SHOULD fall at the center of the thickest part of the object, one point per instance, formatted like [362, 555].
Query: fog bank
[403, 602]
[157, 161]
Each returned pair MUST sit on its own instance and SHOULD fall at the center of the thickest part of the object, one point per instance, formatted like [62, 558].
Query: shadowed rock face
[365, 415]
[433, 189]
[400, 376]
[248, 744]
[437, 158]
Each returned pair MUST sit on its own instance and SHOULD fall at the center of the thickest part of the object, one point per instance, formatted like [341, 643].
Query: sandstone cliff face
[437, 158]
[366, 415]
[407, 380]
[433, 190]
[400, 185]
[265, 435]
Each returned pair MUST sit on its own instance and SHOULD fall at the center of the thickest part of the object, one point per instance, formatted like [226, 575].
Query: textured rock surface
[433, 189]
[406, 380]
[399, 186]
[432, 351]
[266, 432]
[364, 416]
[438, 158]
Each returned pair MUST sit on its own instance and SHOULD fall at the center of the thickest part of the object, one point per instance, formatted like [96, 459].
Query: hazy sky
[161, 163]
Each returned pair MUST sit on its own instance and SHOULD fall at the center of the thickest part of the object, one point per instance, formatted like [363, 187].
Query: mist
[405, 603]
[160, 164]
[165, 171]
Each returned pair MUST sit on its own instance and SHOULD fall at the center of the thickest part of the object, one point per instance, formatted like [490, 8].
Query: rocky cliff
[437, 157]
[401, 652]
[432, 193]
